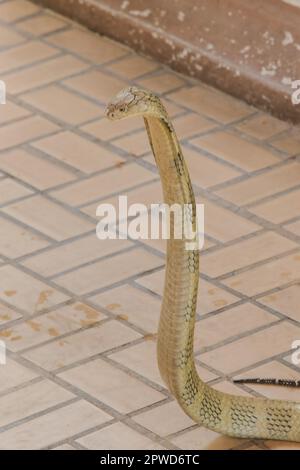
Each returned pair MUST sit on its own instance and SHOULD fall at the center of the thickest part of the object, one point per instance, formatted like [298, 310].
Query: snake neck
[176, 326]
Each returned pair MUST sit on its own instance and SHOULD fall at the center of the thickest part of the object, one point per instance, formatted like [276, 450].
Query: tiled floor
[79, 316]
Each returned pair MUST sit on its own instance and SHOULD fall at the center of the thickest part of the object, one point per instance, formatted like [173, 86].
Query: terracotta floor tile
[274, 370]
[108, 271]
[96, 85]
[136, 145]
[252, 447]
[229, 387]
[30, 400]
[41, 24]
[210, 298]
[231, 323]
[160, 245]
[133, 67]
[188, 125]
[204, 439]
[64, 447]
[141, 358]
[205, 374]
[268, 276]
[142, 218]
[48, 217]
[164, 419]
[34, 170]
[62, 105]
[285, 301]
[12, 111]
[131, 304]
[82, 345]
[25, 54]
[262, 127]
[211, 103]
[43, 74]
[71, 255]
[88, 45]
[27, 293]
[251, 349]
[289, 143]
[281, 445]
[269, 183]
[161, 83]
[148, 194]
[116, 389]
[223, 224]
[69, 148]
[15, 240]
[235, 150]
[7, 314]
[9, 37]
[294, 228]
[115, 437]
[16, 9]
[245, 253]
[107, 130]
[96, 187]
[19, 132]
[172, 108]
[43, 431]
[11, 190]
[14, 374]
[50, 326]
[279, 209]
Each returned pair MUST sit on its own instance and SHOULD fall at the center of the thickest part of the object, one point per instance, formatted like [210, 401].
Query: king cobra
[238, 416]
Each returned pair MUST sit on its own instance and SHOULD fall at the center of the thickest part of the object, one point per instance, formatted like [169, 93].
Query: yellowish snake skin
[232, 415]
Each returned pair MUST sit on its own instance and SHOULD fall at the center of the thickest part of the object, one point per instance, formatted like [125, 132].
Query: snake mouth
[115, 112]
[110, 112]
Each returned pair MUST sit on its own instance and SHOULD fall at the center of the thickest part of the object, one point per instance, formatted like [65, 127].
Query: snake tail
[281, 382]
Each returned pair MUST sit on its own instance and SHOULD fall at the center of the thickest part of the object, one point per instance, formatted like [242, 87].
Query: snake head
[131, 101]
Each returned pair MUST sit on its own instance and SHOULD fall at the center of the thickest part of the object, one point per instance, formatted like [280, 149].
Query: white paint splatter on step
[142, 13]
[288, 38]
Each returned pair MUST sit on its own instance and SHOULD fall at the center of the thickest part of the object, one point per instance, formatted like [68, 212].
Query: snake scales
[232, 415]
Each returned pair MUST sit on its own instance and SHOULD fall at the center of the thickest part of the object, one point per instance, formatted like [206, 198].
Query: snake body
[238, 416]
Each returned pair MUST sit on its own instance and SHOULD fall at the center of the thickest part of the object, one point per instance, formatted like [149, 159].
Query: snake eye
[122, 109]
